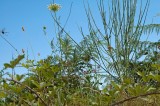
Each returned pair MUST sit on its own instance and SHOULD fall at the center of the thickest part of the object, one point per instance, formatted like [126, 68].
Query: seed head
[54, 7]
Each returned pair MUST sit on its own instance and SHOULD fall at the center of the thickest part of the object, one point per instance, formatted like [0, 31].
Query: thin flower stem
[9, 44]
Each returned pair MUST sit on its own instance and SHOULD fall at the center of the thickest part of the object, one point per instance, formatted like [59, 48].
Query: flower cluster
[54, 7]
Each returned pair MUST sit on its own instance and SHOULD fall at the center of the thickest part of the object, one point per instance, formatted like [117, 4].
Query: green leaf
[36, 84]
[127, 80]
[116, 86]
[157, 66]
[42, 85]
[131, 91]
[151, 89]
[157, 78]
[19, 77]
[6, 65]
[145, 78]
[2, 95]
[25, 65]
[140, 73]
[55, 68]
[14, 62]
[137, 89]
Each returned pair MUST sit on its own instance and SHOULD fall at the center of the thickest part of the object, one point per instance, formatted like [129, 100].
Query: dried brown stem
[29, 89]
[134, 97]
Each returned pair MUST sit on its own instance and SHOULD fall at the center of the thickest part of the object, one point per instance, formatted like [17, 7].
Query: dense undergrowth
[105, 69]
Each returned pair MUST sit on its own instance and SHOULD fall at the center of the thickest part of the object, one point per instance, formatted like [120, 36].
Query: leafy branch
[30, 90]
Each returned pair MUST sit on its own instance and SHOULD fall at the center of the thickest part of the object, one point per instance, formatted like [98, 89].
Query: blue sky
[33, 15]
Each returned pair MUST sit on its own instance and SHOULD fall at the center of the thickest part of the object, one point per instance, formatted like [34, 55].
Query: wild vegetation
[111, 66]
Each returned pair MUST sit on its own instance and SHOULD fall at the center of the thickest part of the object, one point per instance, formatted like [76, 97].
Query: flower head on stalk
[54, 7]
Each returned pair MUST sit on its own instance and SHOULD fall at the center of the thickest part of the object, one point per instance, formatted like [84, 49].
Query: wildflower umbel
[54, 7]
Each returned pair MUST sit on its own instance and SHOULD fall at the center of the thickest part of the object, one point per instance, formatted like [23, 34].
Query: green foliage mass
[94, 72]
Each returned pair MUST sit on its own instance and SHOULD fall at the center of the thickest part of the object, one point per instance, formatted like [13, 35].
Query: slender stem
[10, 44]
[30, 90]
[131, 98]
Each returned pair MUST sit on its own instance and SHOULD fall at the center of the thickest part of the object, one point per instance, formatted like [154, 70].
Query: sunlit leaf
[6, 65]
[36, 83]
[2, 95]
